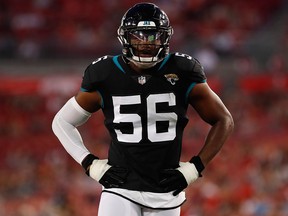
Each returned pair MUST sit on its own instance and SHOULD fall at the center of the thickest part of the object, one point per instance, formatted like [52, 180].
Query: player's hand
[178, 179]
[108, 176]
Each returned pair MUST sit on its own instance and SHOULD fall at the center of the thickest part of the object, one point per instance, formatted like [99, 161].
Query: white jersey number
[152, 118]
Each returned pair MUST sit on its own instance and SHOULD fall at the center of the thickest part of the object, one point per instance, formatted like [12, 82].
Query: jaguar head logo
[172, 78]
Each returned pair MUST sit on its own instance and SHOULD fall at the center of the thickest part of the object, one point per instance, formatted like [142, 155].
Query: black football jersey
[145, 113]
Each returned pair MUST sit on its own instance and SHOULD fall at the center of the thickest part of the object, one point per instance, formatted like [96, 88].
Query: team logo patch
[172, 78]
[142, 80]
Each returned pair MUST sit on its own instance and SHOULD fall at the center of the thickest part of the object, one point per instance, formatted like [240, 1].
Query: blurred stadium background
[45, 45]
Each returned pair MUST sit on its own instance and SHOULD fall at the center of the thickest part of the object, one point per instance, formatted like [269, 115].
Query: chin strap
[143, 65]
[145, 62]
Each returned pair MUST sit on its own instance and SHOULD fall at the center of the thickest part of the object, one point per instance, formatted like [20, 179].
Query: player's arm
[75, 113]
[89, 101]
[212, 110]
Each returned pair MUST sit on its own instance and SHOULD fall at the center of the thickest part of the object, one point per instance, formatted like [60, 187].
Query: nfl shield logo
[142, 80]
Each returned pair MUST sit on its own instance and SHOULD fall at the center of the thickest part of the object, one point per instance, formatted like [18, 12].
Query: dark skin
[207, 104]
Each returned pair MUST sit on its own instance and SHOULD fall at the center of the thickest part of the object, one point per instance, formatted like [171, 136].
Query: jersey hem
[164, 208]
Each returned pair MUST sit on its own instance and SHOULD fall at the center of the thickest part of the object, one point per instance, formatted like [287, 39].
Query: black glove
[107, 175]
[178, 179]
[173, 180]
[114, 177]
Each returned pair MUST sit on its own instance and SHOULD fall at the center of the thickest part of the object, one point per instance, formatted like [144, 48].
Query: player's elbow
[229, 122]
[224, 121]
[55, 124]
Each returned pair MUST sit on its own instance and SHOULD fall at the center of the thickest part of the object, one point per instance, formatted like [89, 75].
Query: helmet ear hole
[150, 25]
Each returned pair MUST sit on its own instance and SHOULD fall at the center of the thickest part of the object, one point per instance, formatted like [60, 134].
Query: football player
[144, 94]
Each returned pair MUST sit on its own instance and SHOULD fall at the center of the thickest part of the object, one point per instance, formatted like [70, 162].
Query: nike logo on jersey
[172, 78]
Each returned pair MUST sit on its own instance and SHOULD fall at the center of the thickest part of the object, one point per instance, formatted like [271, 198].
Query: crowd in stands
[250, 175]
[74, 28]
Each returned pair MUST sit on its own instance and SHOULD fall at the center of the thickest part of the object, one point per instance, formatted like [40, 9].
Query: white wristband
[189, 171]
[98, 168]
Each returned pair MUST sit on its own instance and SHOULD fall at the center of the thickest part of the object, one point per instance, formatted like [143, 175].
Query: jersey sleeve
[190, 72]
[191, 68]
[95, 73]
[86, 85]
[197, 72]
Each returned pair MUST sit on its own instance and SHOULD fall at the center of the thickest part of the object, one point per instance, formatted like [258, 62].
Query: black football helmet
[145, 33]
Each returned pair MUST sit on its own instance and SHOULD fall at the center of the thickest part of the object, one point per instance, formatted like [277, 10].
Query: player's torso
[145, 115]
[143, 107]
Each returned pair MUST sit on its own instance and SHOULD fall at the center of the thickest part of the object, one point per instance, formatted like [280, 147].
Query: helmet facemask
[145, 47]
[145, 33]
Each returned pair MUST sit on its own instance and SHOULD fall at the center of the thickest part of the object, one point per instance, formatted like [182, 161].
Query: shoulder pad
[187, 62]
[96, 72]
[189, 66]
[100, 64]
[102, 59]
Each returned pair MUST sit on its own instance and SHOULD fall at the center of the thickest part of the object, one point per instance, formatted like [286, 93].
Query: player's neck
[135, 68]
[139, 70]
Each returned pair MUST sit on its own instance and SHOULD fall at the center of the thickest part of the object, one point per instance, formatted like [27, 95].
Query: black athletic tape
[196, 160]
[87, 161]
